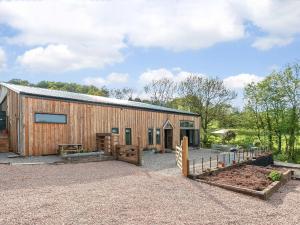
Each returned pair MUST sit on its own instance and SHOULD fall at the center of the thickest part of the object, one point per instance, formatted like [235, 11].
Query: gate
[182, 156]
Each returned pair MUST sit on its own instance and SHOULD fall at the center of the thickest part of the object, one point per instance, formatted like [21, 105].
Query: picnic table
[69, 148]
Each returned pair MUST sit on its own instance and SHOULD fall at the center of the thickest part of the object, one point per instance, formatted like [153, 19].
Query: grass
[247, 138]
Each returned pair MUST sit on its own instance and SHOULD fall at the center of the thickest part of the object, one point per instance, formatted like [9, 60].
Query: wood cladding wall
[85, 120]
[12, 113]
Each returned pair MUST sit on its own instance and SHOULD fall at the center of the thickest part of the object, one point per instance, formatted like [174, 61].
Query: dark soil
[246, 176]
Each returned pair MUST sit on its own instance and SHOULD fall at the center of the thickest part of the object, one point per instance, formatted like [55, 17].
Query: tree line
[271, 110]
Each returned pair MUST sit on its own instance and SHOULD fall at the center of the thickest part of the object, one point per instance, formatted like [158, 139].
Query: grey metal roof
[89, 98]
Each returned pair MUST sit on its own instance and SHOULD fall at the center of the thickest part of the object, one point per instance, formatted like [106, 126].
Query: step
[4, 144]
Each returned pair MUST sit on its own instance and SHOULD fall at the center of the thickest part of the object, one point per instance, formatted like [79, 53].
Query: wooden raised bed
[218, 178]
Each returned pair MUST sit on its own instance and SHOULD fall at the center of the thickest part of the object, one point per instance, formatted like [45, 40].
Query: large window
[50, 118]
[128, 136]
[186, 124]
[150, 136]
[158, 136]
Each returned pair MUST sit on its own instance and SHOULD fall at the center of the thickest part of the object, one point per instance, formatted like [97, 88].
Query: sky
[129, 43]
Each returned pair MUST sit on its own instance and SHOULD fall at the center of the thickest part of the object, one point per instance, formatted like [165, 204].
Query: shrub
[229, 135]
[274, 176]
[282, 157]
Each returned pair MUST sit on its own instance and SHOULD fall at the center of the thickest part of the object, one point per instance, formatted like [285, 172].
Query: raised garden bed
[248, 179]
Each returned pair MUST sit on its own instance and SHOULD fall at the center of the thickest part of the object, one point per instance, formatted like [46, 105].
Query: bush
[282, 157]
[274, 176]
[229, 135]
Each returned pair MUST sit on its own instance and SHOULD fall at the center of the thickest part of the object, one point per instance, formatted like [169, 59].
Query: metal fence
[224, 159]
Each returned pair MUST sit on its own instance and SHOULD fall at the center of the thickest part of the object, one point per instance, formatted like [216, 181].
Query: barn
[34, 121]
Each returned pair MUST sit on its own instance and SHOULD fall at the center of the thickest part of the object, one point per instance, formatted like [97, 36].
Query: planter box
[265, 194]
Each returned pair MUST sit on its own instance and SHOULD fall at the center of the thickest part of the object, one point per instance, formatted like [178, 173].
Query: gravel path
[119, 193]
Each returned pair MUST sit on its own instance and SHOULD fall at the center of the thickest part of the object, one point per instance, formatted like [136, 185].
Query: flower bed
[248, 179]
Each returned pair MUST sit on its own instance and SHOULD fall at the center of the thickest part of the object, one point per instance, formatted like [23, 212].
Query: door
[2, 120]
[168, 138]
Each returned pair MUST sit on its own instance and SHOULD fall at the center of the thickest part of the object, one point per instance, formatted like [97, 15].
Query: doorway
[168, 138]
[2, 120]
[190, 133]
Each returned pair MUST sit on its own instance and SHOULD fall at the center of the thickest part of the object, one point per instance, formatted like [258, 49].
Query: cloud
[266, 43]
[278, 20]
[2, 59]
[112, 78]
[176, 74]
[93, 34]
[241, 80]
[117, 78]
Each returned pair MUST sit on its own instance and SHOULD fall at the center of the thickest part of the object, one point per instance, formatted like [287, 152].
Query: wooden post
[185, 157]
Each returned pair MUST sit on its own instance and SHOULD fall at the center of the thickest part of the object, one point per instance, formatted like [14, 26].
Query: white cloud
[266, 43]
[93, 34]
[241, 80]
[2, 59]
[117, 78]
[112, 78]
[176, 75]
[279, 20]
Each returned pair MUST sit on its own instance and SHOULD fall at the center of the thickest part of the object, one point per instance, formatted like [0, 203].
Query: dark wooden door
[168, 138]
[2, 120]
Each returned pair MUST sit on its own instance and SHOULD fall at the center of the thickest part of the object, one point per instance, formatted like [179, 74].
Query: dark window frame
[117, 128]
[158, 136]
[150, 139]
[130, 140]
[56, 114]
[190, 124]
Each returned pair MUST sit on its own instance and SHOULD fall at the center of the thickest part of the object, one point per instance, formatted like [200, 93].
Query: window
[128, 136]
[150, 136]
[186, 124]
[158, 136]
[50, 118]
[115, 130]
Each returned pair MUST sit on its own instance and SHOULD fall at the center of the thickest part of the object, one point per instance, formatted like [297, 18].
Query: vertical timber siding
[12, 113]
[85, 120]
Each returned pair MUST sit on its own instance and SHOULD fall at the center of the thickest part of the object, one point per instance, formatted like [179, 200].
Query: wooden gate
[182, 156]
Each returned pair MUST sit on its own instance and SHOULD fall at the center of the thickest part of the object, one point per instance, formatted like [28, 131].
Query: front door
[2, 120]
[168, 138]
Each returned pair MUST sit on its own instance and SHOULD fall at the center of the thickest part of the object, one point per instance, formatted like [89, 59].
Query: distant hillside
[64, 86]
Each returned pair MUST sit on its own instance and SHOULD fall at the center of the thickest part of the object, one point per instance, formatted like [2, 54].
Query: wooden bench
[69, 148]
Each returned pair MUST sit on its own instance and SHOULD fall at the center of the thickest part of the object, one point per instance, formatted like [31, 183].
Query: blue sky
[128, 44]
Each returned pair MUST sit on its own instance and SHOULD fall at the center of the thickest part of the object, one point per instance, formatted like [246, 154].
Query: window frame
[115, 132]
[130, 136]
[190, 122]
[158, 135]
[150, 140]
[56, 114]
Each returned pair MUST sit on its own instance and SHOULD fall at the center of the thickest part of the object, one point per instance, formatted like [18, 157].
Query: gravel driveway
[114, 192]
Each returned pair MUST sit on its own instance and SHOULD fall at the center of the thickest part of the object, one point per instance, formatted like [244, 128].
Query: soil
[246, 176]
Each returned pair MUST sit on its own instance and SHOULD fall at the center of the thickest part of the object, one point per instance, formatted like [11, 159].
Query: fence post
[185, 157]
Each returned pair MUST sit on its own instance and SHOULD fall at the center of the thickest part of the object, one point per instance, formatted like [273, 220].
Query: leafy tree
[206, 96]
[72, 87]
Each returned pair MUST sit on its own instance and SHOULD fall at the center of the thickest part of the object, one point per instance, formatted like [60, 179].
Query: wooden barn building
[34, 121]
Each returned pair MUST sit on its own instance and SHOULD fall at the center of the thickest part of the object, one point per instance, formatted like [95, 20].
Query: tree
[206, 96]
[124, 93]
[63, 86]
[275, 104]
[161, 91]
